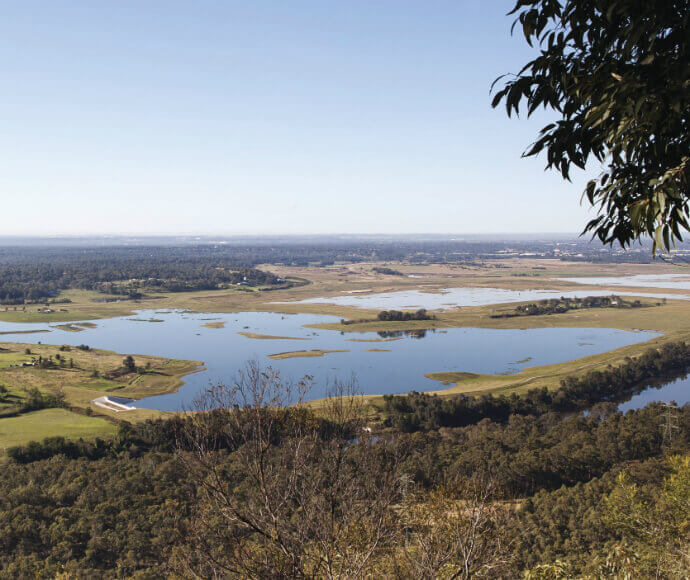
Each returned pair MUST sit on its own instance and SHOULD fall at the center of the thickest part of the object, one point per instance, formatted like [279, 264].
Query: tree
[129, 364]
[456, 531]
[618, 76]
[655, 524]
[297, 496]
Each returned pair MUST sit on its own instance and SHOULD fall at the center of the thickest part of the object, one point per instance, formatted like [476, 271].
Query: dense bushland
[255, 489]
[137, 503]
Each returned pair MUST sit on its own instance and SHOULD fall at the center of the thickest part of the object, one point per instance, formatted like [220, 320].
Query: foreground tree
[285, 494]
[456, 531]
[618, 76]
[655, 524]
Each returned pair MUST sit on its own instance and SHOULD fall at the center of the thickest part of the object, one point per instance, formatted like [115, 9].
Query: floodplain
[456, 337]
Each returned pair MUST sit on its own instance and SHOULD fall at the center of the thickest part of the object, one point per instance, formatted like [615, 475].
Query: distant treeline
[561, 305]
[36, 276]
[38, 272]
[419, 411]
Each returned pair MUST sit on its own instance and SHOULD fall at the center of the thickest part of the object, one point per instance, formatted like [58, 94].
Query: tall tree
[617, 74]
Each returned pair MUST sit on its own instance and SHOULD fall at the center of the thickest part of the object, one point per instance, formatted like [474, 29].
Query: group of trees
[12, 404]
[561, 305]
[397, 315]
[36, 399]
[387, 271]
[392, 316]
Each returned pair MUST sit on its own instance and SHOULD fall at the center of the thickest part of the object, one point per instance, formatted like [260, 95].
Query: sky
[267, 117]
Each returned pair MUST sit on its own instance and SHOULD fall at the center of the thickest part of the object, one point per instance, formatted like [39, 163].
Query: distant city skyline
[235, 118]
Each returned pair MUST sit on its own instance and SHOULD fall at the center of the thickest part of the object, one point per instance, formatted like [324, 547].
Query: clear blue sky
[225, 117]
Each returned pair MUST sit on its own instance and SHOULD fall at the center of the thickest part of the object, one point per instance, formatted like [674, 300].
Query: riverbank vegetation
[419, 411]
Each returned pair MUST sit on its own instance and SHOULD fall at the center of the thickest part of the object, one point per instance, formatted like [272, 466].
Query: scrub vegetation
[562, 305]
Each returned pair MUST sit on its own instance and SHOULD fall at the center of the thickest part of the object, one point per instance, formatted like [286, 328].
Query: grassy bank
[81, 376]
[270, 336]
[303, 353]
[542, 376]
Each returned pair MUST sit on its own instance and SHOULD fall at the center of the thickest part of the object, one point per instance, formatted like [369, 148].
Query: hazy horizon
[209, 238]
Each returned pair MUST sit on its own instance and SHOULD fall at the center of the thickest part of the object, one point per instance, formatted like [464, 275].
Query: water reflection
[661, 391]
[675, 281]
[416, 333]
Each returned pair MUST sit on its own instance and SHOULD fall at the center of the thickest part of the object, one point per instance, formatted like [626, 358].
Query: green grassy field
[80, 385]
[38, 425]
